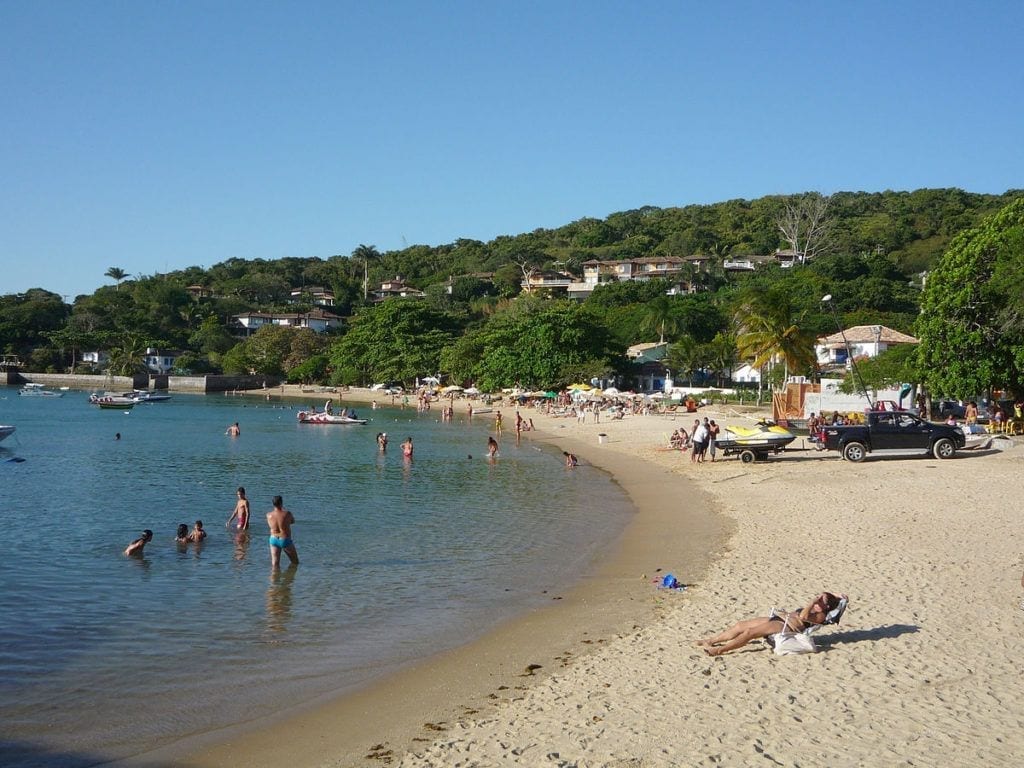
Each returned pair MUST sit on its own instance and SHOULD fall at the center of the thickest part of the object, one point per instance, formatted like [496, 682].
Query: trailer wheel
[854, 452]
[943, 448]
[747, 457]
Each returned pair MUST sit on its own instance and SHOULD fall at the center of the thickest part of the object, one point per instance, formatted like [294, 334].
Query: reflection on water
[279, 598]
[241, 545]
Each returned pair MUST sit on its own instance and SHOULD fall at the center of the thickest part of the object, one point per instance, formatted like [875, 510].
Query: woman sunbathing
[742, 632]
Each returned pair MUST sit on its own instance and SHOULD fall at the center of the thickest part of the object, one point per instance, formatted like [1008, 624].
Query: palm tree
[658, 317]
[116, 273]
[768, 331]
[366, 253]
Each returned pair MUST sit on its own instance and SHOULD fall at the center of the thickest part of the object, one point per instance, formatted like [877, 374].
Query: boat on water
[5, 431]
[112, 401]
[754, 442]
[38, 390]
[145, 396]
[324, 417]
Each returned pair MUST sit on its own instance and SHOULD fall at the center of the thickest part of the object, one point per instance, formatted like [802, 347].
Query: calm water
[104, 656]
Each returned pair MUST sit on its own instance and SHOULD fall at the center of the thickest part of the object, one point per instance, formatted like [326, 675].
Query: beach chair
[807, 643]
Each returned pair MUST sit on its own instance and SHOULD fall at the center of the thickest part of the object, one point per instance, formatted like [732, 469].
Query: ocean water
[104, 656]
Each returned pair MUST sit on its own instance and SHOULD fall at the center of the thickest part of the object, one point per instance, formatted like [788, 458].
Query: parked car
[943, 409]
[890, 432]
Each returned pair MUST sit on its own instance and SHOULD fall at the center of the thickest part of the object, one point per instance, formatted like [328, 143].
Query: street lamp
[827, 299]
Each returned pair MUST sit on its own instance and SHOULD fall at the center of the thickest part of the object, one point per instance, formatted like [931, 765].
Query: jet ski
[754, 442]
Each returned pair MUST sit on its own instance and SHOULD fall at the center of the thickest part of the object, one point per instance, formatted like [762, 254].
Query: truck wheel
[943, 448]
[747, 457]
[855, 452]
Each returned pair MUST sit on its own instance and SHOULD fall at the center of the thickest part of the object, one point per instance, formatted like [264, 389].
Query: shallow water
[104, 656]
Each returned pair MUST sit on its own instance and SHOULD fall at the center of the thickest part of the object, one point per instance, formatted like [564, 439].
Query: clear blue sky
[153, 136]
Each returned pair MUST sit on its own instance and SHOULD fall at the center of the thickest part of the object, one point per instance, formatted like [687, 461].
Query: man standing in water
[241, 513]
[280, 522]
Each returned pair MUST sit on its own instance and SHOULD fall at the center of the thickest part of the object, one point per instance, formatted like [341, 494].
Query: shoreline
[411, 706]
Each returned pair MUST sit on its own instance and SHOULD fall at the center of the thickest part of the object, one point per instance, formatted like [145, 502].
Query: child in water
[198, 534]
[182, 535]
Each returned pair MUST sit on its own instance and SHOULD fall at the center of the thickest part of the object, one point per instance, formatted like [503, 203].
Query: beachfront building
[316, 320]
[864, 341]
[649, 370]
[746, 374]
[157, 361]
[396, 289]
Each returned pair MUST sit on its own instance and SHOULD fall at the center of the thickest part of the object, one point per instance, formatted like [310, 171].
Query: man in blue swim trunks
[280, 522]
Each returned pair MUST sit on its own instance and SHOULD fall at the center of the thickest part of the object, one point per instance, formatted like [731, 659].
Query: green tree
[769, 330]
[366, 254]
[544, 348]
[395, 340]
[116, 273]
[970, 341]
[660, 317]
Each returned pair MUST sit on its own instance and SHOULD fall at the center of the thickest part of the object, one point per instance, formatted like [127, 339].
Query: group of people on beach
[279, 521]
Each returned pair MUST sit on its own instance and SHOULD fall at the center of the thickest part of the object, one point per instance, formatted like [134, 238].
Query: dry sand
[924, 669]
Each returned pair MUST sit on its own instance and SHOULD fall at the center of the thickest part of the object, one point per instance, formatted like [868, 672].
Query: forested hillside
[473, 324]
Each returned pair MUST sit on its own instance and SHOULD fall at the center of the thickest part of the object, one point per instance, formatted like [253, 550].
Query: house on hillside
[864, 341]
[159, 361]
[317, 294]
[396, 289]
[556, 283]
[316, 320]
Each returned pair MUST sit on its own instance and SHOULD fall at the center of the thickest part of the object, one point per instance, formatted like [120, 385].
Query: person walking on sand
[241, 513]
[280, 522]
[713, 431]
[233, 430]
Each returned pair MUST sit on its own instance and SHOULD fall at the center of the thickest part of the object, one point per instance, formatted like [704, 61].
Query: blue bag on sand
[670, 582]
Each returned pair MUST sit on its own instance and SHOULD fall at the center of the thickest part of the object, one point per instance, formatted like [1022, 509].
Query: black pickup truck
[892, 432]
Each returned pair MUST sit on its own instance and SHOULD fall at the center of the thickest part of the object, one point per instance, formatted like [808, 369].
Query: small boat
[5, 431]
[145, 396]
[119, 402]
[38, 390]
[323, 417]
[754, 442]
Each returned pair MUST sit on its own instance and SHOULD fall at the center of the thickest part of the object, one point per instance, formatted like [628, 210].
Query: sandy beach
[922, 671]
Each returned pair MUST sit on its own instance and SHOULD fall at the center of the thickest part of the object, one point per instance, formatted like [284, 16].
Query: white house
[159, 362]
[316, 320]
[746, 374]
[864, 341]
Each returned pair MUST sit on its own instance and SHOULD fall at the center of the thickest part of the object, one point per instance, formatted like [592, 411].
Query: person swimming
[136, 547]
[182, 536]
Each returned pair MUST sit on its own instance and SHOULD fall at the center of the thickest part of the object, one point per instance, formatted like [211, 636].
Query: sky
[154, 136]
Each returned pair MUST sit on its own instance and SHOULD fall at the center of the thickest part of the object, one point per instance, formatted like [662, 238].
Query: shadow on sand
[824, 642]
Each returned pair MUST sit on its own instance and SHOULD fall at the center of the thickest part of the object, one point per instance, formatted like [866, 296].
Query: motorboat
[145, 396]
[326, 417]
[38, 390]
[754, 442]
[5, 431]
[109, 400]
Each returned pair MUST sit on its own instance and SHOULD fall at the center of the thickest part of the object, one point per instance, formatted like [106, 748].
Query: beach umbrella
[579, 387]
[550, 395]
[611, 391]
[472, 391]
[449, 390]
